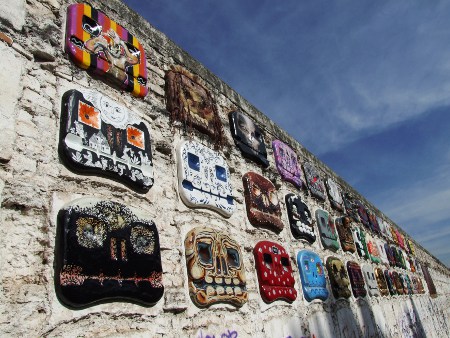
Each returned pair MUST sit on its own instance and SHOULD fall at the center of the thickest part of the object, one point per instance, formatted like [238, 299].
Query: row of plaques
[103, 137]
[107, 251]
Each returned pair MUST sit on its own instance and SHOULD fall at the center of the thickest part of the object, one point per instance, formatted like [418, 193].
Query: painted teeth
[220, 291]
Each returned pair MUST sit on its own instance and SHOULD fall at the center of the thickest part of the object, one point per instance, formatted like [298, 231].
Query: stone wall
[35, 185]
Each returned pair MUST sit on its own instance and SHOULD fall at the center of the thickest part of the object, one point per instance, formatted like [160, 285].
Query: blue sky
[364, 85]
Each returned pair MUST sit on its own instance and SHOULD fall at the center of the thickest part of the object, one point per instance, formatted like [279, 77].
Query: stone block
[13, 11]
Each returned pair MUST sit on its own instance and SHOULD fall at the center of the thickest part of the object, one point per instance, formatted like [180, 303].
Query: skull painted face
[381, 281]
[287, 163]
[338, 278]
[248, 137]
[334, 194]
[390, 282]
[400, 239]
[373, 222]
[351, 209]
[394, 237]
[189, 102]
[356, 279]
[300, 219]
[261, 199]
[102, 137]
[204, 178]
[327, 230]
[389, 254]
[215, 268]
[362, 212]
[411, 247]
[344, 229]
[314, 181]
[360, 241]
[373, 249]
[370, 280]
[107, 251]
[276, 280]
[312, 275]
[382, 251]
[397, 282]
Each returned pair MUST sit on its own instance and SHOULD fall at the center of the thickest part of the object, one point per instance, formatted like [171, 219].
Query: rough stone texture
[13, 13]
[34, 185]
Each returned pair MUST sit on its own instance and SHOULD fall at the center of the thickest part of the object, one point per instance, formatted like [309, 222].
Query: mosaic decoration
[411, 247]
[300, 219]
[356, 279]
[344, 229]
[287, 163]
[393, 236]
[390, 282]
[351, 208]
[373, 223]
[338, 278]
[261, 200]
[215, 268]
[389, 254]
[397, 282]
[334, 194]
[328, 234]
[189, 102]
[381, 250]
[100, 136]
[381, 281]
[408, 283]
[362, 212]
[372, 248]
[248, 138]
[360, 241]
[106, 251]
[274, 270]
[204, 178]
[371, 282]
[97, 43]
[314, 181]
[400, 239]
[429, 281]
[314, 283]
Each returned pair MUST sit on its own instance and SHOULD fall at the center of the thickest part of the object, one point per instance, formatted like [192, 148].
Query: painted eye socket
[194, 162]
[268, 260]
[306, 265]
[256, 190]
[221, 173]
[204, 253]
[285, 263]
[319, 268]
[91, 232]
[142, 240]
[233, 258]
[91, 26]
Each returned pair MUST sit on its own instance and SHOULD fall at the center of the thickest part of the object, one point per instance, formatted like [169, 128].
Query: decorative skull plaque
[189, 102]
[390, 282]
[334, 194]
[314, 283]
[381, 281]
[398, 282]
[412, 250]
[429, 281]
[338, 278]
[372, 248]
[300, 218]
[95, 42]
[389, 254]
[287, 163]
[360, 241]
[327, 230]
[351, 209]
[356, 279]
[215, 268]
[381, 250]
[370, 280]
[204, 178]
[263, 206]
[106, 251]
[276, 280]
[314, 181]
[249, 138]
[362, 212]
[103, 137]
[400, 239]
[344, 229]
[373, 222]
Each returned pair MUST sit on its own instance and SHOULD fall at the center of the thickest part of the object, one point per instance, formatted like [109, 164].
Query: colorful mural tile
[390, 282]
[261, 200]
[397, 282]
[97, 43]
[314, 182]
[344, 229]
[248, 138]
[287, 163]
[359, 237]
[372, 248]
[373, 222]
[105, 252]
[274, 270]
[356, 279]
[204, 178]
[215, 268]
[338, 278]
[190, 103]
[362, 212]
[300, 219]
[382, 251]
[100, 136]
[429, 281]
[334, 194]
[328, 234]
[351, 208]
[312, 275]
[381, 281]
[371, 281]
[389, 254]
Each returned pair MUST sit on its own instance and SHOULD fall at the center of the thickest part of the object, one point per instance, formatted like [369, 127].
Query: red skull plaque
[275, 276]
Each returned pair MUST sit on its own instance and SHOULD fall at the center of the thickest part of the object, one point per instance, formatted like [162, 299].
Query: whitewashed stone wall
[34, 185]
